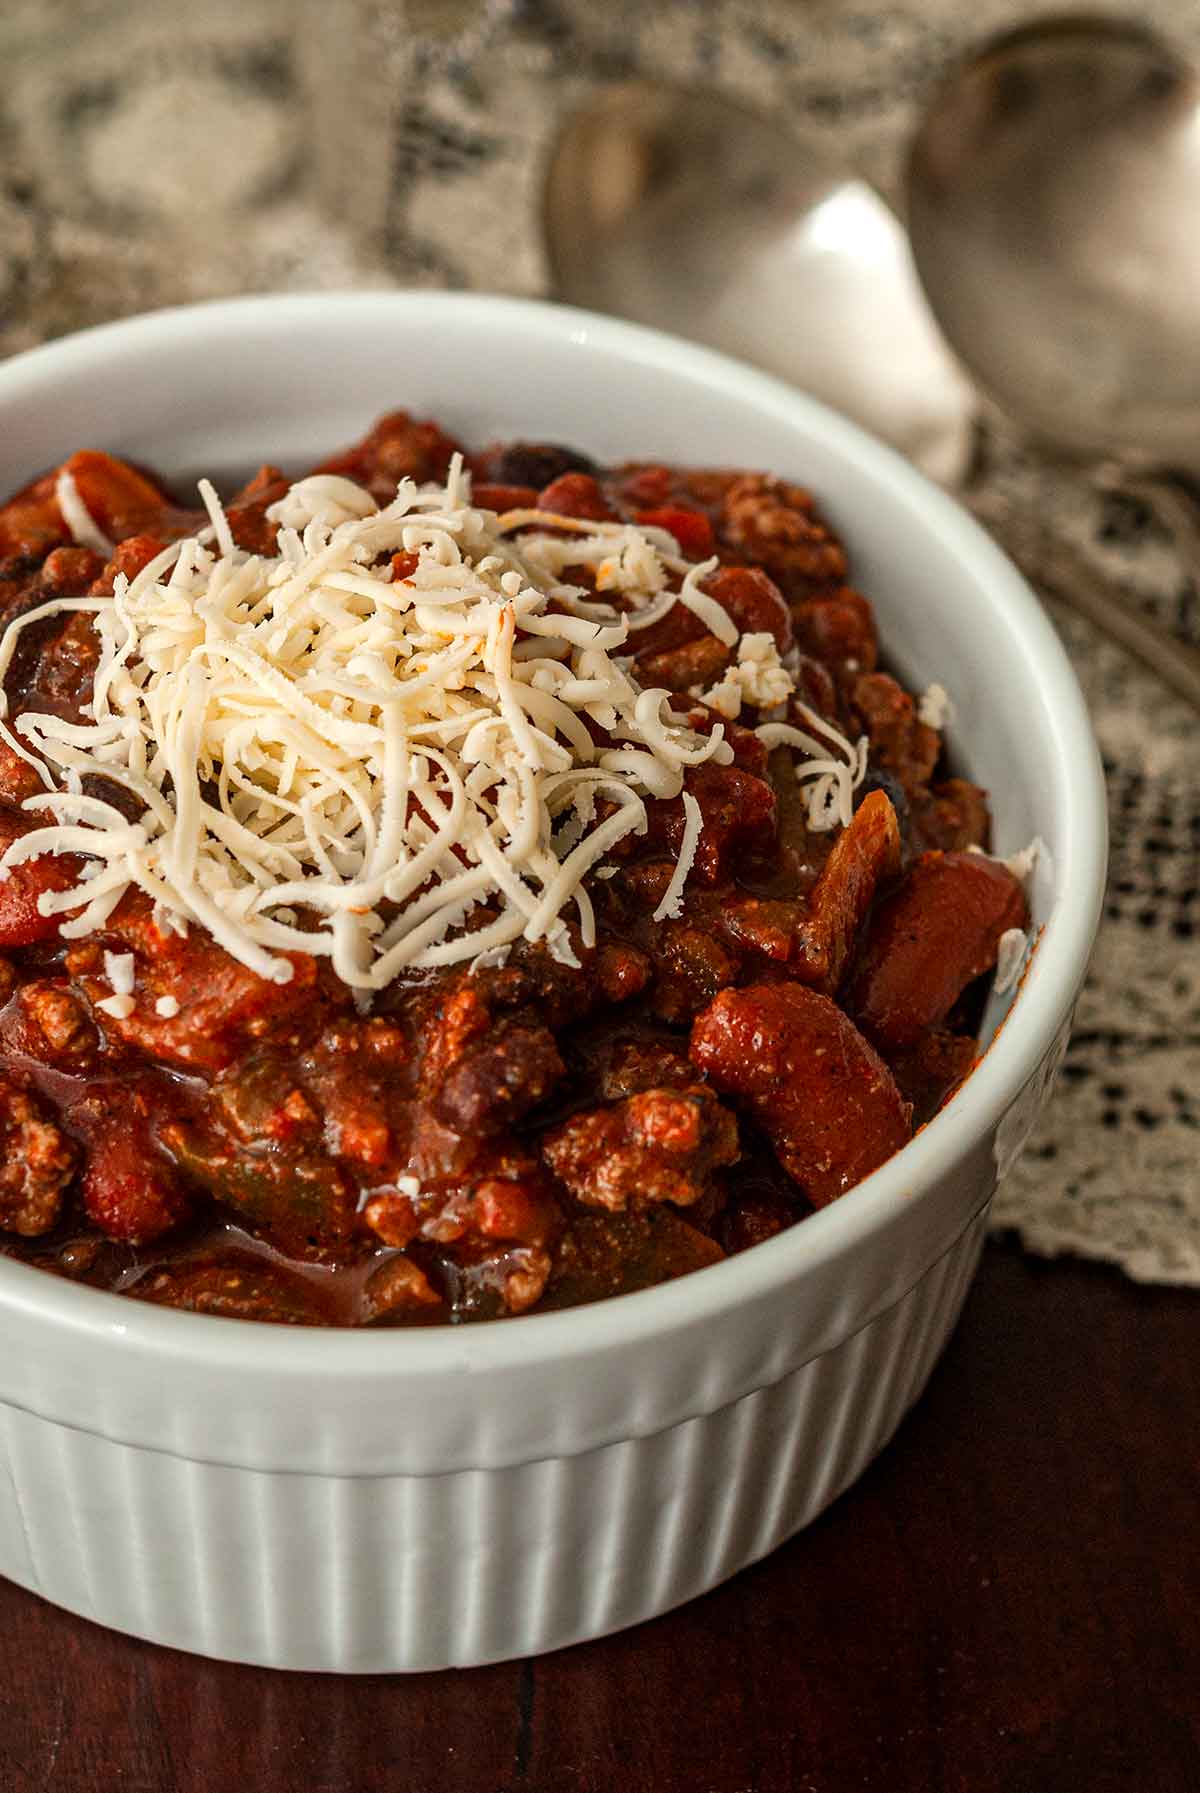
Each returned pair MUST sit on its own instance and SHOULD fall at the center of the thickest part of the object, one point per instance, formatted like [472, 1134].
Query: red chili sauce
[697, 1086]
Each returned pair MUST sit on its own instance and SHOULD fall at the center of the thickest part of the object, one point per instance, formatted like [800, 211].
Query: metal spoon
[688, 210]
[1054, 192]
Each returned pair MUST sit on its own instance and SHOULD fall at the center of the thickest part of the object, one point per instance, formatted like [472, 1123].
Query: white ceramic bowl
[395, 1500]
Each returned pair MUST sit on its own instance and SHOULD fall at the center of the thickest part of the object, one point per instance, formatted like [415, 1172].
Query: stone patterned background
[154, 153]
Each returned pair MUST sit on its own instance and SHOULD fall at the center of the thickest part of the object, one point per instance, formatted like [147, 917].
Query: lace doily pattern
[149, 157]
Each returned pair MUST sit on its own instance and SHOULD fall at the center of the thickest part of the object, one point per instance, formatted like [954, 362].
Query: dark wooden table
[1008, 1602]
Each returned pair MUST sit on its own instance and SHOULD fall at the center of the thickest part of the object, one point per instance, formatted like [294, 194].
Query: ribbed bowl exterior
[379, 1573]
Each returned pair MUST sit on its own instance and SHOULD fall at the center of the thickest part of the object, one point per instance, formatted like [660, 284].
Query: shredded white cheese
[1022, 863]
[118, 969]
[1010, 959]
[85, 530]
[119, 1007]
[758, 678]
[935, 708]
[833, 773]
[403, 1185]
[314, 741]
[693, 827]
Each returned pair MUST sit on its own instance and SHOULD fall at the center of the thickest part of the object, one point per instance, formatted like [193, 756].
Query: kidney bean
[754, 601]
[818, 1089]
[691, 528]
[129, 1191]
[936, 932]
[575, 495]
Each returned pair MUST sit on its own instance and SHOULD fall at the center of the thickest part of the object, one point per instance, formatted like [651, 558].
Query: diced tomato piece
[21, 921]
[504, 498]
[691, 529]
[120, 499]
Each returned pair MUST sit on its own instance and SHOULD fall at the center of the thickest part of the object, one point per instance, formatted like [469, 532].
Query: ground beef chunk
[37, 1161]
[900, 741]
[691, 965]
[659, 1146]
[399, 447]
[55, 1026]
[68, 573]
[952, 816]
[777, 526]
[632, 1066]
[622, 971]
[839, 632]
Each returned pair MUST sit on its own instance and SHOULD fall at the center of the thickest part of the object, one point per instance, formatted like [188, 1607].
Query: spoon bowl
[691, 211]
[1054, 193]
[1068, 285]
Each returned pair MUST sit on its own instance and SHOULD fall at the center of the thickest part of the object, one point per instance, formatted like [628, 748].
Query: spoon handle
[1053, 565]
[1173, 497]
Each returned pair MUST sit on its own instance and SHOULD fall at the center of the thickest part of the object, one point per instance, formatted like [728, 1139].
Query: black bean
[537, 463]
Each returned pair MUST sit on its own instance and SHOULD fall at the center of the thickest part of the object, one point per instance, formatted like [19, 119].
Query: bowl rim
[1029, 1032]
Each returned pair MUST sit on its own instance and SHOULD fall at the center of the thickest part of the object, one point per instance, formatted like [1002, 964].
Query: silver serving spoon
[1054, 213]
[689, 210]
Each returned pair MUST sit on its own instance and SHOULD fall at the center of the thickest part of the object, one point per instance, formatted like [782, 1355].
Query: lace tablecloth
[151, 154]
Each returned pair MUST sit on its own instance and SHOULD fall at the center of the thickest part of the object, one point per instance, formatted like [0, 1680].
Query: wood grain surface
[1008, 1602]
